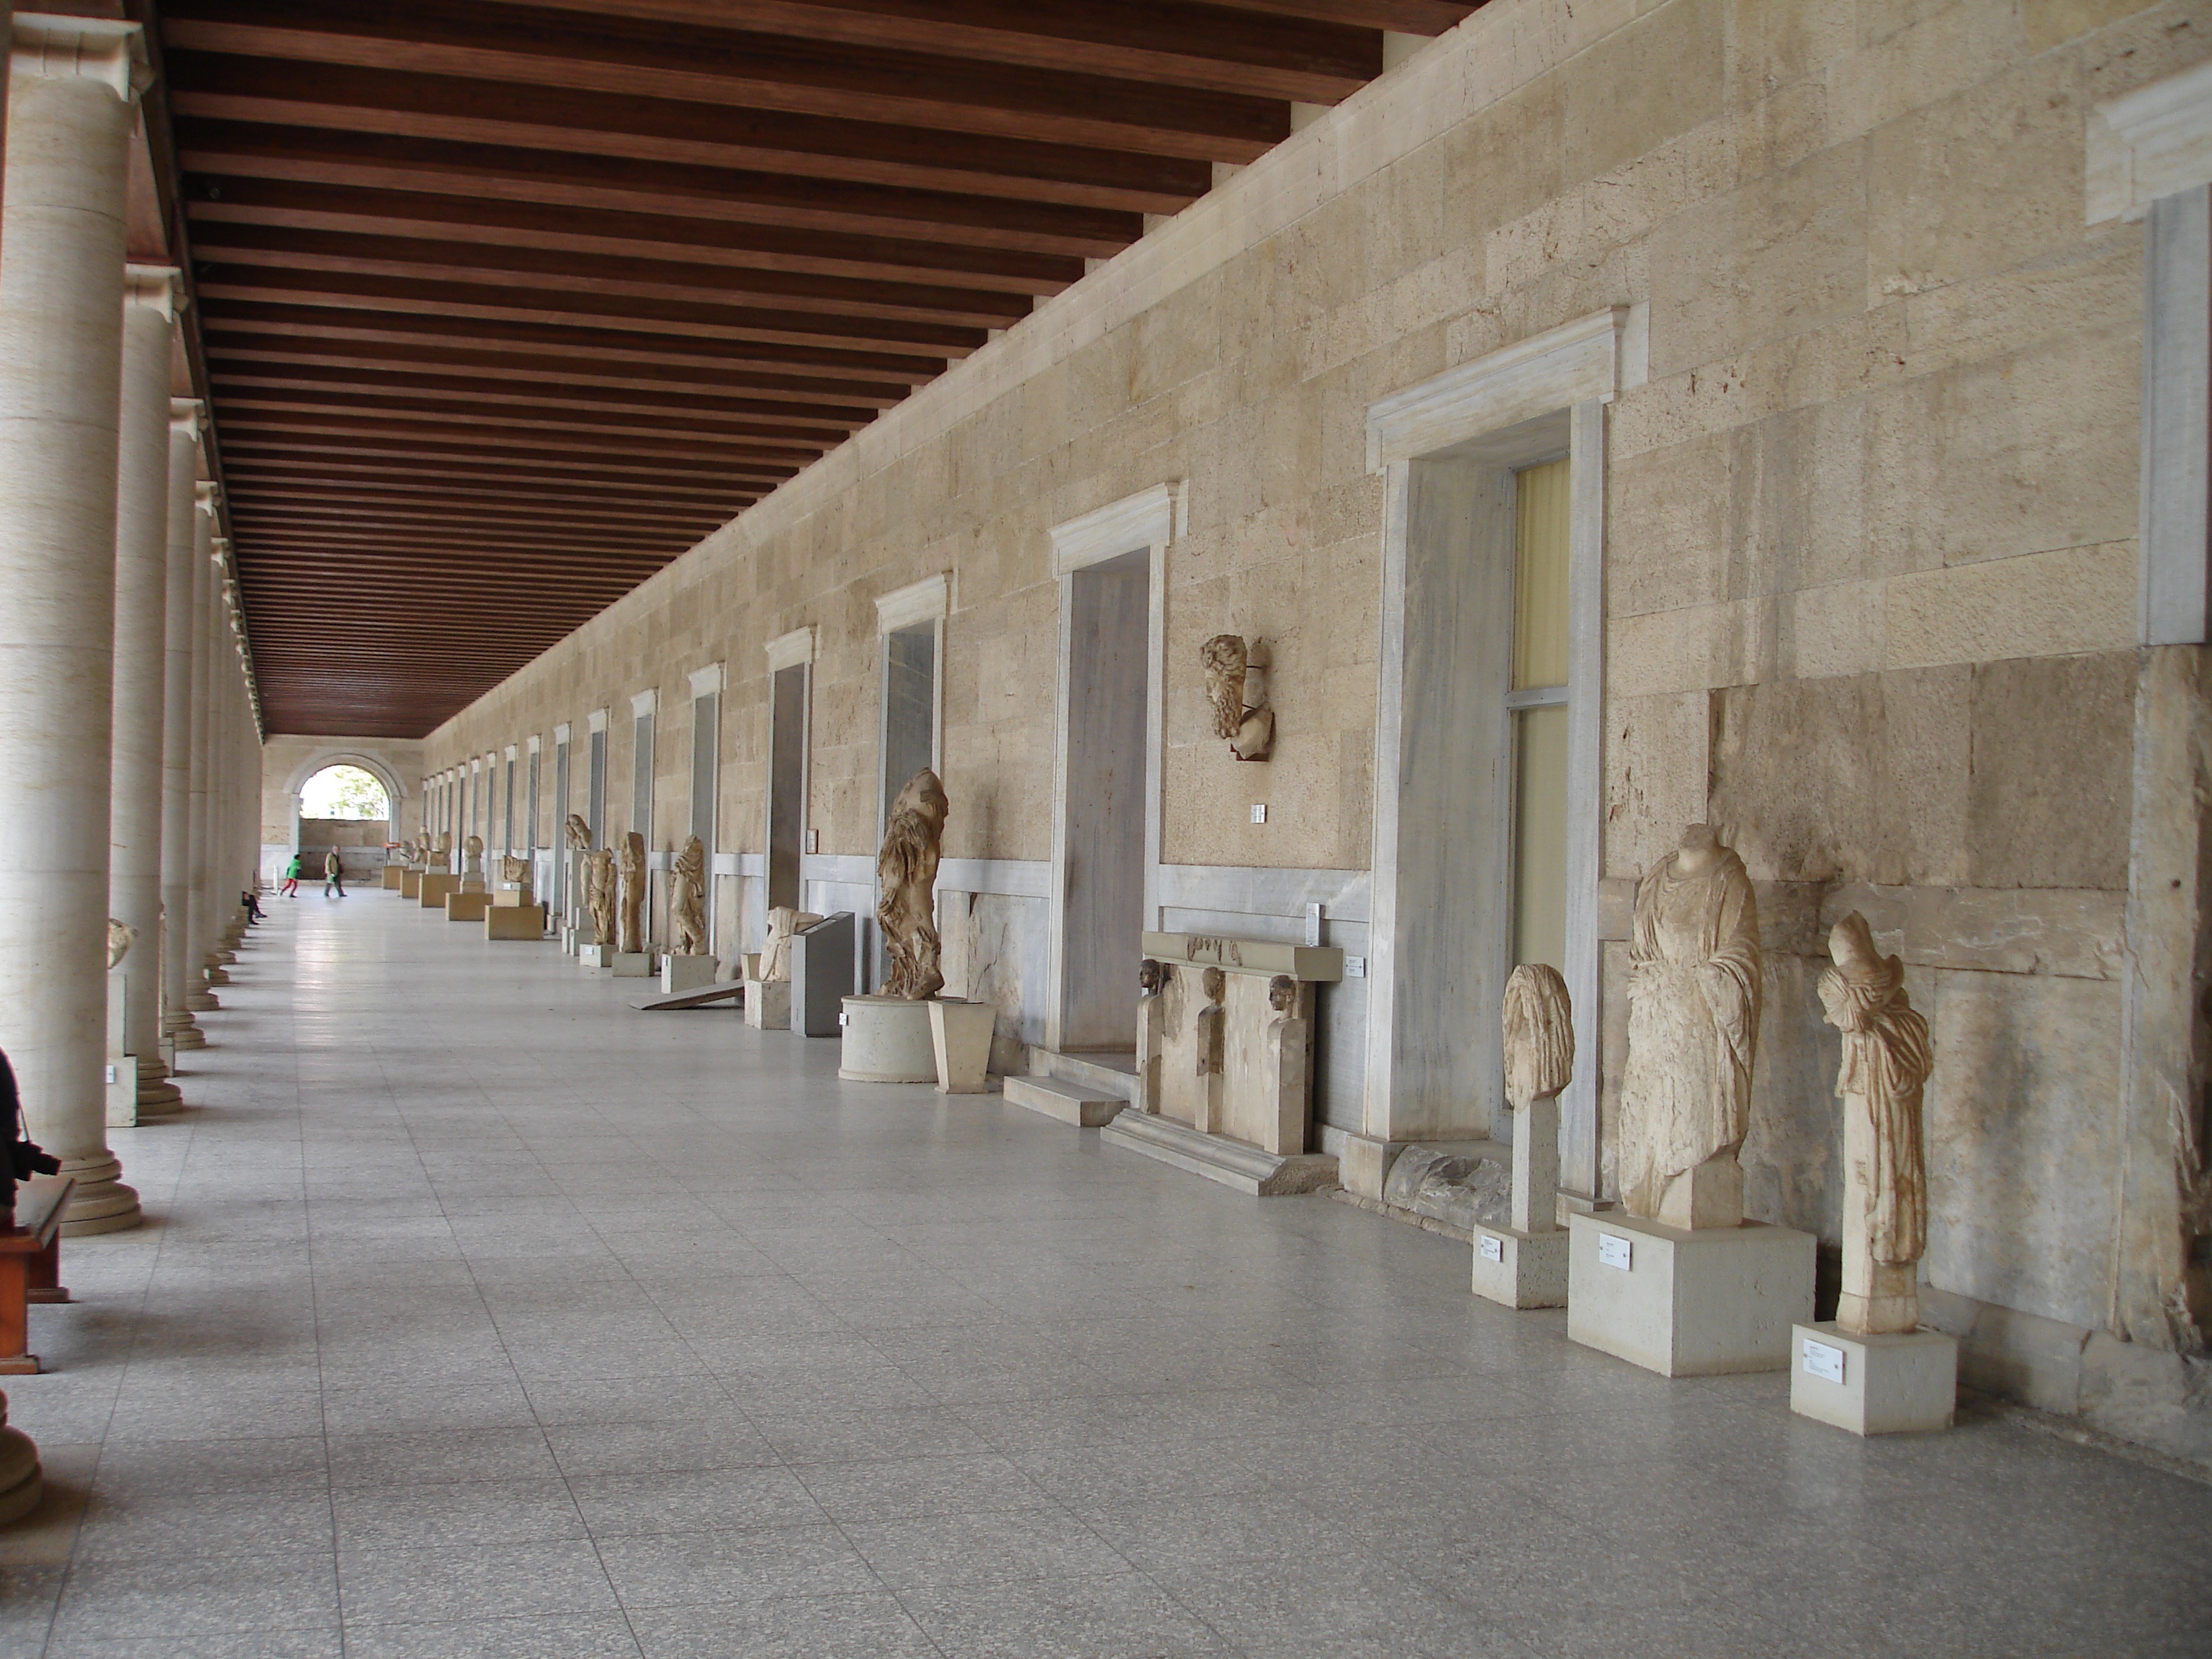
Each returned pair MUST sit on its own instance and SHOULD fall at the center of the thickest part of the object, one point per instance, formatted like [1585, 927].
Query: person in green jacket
[290, 886]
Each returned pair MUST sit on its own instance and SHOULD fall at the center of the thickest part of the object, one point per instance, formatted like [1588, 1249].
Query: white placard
[1612, 1251]
[1825, 1361]
[1355, 967]
[1493, 1250]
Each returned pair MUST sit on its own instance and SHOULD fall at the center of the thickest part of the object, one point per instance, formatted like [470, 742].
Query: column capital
[158, 288]
[184, 417]
[204, 494]
[103, 50]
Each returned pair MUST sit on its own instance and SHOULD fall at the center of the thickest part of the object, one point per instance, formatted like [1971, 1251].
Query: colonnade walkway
[479, 1315]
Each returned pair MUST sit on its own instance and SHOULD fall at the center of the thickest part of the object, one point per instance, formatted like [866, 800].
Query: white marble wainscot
[1230, 1096]
[994, 919]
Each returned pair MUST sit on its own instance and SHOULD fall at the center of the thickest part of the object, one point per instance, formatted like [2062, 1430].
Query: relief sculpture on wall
[906, 872]
[1693, 997]
[1243, 718]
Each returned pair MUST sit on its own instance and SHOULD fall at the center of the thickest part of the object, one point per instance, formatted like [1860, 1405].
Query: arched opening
[347, 807]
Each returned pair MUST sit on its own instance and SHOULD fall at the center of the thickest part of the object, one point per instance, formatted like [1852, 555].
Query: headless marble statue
[600, 895]
[783, 923]
[906, 870]
[578, 833]
[633, 894]
[1694, 996]
[687, 899]
[1886, 1060]
[1540, 1061]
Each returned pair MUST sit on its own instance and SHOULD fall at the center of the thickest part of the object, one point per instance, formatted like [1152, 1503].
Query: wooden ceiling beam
[1169, 42]
[739, 478]
[260, 533]
[1402, 16]
[236, 199]
[226, 245]
[489, 440]
[286, 473]
[778, 440]
[302, 153]
[600, 342]
[834, 419]
[415, 297]
[445, 504]
[472, 110]
[752, 80]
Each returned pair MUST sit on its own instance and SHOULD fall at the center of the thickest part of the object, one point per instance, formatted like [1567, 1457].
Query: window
[595, 799]
[909, 741]
[1538, 705]
[641, 776]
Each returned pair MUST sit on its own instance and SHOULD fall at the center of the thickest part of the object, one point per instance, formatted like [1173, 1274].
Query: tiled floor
[481, 1316]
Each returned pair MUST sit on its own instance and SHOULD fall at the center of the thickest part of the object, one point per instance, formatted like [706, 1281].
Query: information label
[1824, 1360]
[1612, 1251]
[1493, 1250]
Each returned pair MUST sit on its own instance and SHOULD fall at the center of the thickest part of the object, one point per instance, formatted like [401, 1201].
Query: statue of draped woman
[1693, 997]
[1886, 1060]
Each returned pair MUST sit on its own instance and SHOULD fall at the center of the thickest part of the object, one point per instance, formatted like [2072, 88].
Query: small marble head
[1283, 995]
[1214, 984]
[1151, 977]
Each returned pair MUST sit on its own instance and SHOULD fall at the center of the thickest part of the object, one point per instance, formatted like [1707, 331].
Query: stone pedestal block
[593, 956]
[630, 964]
[1687, 1303]
[1521, 1270]
[122, 1091]
[434, 886]
[506, 921]
[1898, 1384]
[768, 1005]
[395, 877]
[886, 1040]
[1085, 1106]
[466, 907]
[411, 884]
[519, 898]
[960, 1036]
[687, 972]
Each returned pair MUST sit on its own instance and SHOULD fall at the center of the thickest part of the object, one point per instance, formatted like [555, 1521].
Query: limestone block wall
[1870, 546]
[287, 763]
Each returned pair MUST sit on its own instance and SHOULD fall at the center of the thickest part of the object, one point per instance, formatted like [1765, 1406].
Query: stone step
[1110, 1075]
[1231, 1163]
[1070, 1103]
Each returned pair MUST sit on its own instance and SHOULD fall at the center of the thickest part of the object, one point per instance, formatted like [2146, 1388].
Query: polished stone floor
[479, 1314]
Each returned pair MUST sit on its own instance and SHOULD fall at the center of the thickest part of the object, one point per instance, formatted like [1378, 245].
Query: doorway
[787, 785]
[1104, 809]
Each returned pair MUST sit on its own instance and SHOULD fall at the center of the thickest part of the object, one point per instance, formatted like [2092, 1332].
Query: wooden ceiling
[503, 306]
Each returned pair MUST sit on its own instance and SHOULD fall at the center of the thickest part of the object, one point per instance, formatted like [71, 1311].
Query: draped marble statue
[578, 832]
[600, 896]
[1693, 997]
[1540, 1061]
[687, 899]
[783, 922]
[1886, 1060]
[906, 870]
[632, 939]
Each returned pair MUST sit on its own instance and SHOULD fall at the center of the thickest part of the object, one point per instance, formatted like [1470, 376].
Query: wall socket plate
[813, 841]
[1259, 812]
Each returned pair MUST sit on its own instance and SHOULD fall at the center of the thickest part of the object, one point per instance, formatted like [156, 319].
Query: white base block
[960, 1041]
[1084, 1106]
[768, 1005]
[1530, 1270]
[886, 1040]
[593, 956]
[1231, 1163]
[687, 973]
[122, 1091]
[1900, 1384]
[1688, 1304]
[631, 964]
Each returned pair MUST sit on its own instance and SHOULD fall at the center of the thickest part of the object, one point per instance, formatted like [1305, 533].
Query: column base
[201, 1002]
[101, 1203]
[157, 1096]
[183, 1031]
[22, 1481]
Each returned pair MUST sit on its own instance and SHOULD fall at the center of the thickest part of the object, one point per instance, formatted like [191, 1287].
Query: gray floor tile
[443, 1583]
[690, 1568]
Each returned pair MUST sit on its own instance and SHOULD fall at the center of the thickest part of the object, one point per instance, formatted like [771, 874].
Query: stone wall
[1870, 563]
[287, 763]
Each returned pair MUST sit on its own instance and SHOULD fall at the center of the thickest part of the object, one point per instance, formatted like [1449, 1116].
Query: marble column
[72, 89]
[183, 522]
[198, 997]
[140, 669]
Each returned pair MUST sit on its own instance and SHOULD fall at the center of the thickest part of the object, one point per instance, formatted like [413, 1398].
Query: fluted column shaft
[183, 516]
[197, 927]
[139, 679]
[71, 97]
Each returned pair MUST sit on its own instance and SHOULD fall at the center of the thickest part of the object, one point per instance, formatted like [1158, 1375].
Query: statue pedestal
[1900, 1384]
[411, 884]
[1521, 1270]
[768, 1005]
[511, 921]
[630, 964]
[122, 1091]
[434, 886]
[395, 877]
[593, 956]
[886, 1040]
[465, 906]
[1699, 1303]
[960, 1036]
[687, 973]
[519, 898]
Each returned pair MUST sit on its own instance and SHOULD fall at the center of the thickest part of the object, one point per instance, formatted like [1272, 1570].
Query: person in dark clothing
[25, 1157]
[333, 874]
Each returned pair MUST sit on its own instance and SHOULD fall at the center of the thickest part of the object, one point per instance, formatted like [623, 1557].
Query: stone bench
[30, 1267]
